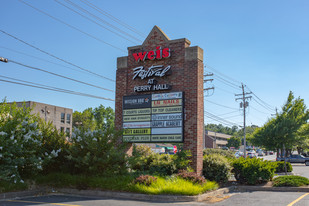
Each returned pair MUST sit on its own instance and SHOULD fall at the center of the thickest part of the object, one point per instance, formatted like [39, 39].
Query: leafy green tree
[283, 130]
[93, 119]
[84, 120]
[104, 117]
[234, 142]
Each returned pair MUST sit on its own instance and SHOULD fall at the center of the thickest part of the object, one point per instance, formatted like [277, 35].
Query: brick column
[194, 106]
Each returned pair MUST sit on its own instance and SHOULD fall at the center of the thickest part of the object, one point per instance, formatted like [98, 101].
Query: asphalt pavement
[256, 198]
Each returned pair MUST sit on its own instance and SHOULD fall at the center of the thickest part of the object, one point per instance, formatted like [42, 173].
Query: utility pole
[244, 104]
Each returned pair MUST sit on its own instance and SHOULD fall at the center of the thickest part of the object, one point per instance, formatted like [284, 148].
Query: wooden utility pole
[244, 104]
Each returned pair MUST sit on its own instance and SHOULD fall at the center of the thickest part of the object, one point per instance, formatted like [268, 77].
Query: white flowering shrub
[97, 152]
[23, 151]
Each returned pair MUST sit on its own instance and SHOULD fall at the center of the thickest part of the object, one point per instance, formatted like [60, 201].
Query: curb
[135, 196]
[109, 194]
[22, 194]
[272, 189]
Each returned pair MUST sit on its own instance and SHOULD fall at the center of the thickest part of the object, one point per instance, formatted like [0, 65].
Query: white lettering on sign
[172, 95]
[144, 88]
[157, 71]
[166, 116]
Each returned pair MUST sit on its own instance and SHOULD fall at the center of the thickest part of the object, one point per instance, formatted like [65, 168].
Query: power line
[93, 20]
[218, 118]
[228, 83]
[225, 90]
[49, 54]
[58, 75]
[112, 17]
[263, 102]
[73, 27]
[40, 86]
[219, 121]
[258, 110]
[45, 60]
[263, 105]
[221, 105]
[230, 78]
[103, 21]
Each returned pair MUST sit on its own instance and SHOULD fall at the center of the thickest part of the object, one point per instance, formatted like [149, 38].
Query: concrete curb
[273, 189]
[22, 194]
[135, 196]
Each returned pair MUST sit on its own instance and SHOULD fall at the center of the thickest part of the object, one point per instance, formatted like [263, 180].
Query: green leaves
[284, 128]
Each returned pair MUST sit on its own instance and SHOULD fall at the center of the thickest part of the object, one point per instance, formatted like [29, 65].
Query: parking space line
[42, 202]
[301, 197]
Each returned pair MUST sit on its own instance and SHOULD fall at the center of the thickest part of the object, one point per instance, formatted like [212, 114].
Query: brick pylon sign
[159, 94]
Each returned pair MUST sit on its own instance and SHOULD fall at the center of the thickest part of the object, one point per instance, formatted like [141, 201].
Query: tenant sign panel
[153, 117]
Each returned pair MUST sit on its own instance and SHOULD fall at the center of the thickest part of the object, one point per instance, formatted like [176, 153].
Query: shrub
[191, 176]
[290, 181]
[226, 153]
[280, 167]
[97, 153]
[146, 161]
[216, 168]
[253, 171]
[23, 150]
[145, 180]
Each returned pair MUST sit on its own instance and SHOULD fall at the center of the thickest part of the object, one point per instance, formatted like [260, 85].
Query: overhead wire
[221, 105]
[59, 75]
[102, 20]
[94, 21]
[46, 87]
[223, 120]
[44, 60]
[73, 27]
[228, 77]
[58, 58]
[113, 18]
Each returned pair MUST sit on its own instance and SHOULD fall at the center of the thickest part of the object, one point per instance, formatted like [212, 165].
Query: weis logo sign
[152, 55]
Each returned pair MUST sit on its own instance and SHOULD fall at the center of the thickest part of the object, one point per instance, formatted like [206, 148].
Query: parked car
[296, 159]
[251, 154]
[239, 154]
[271, 152]
[261, 153]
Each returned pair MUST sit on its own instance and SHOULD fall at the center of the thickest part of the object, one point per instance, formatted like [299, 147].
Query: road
[234, 199]
[301, 169]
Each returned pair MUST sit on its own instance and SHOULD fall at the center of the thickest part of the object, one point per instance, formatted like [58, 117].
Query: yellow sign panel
[166, 138]
[139, 138]
[141, 131]
[136, 111]
[140, 118]
[166, 103]
[162, 110]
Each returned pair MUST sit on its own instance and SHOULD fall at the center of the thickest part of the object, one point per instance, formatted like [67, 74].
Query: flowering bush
[22, 145]
[191, 176]
[145, 180]
[97, 152]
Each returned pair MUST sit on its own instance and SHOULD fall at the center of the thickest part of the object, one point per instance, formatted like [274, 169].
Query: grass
[290, 181]
[169, 185]
[12, 187]
[174, 186]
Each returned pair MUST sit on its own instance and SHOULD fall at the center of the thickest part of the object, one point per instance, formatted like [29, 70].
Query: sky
[261, 44]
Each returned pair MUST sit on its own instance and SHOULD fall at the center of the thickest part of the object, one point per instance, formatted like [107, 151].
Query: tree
[84, 120]
[234, 142]
[302, 142]
[282, 131]
[94, 119]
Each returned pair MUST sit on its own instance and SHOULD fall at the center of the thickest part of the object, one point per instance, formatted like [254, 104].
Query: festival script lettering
[157, 71]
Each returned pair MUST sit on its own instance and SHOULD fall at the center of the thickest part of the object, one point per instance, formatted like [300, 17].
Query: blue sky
[263, 44]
